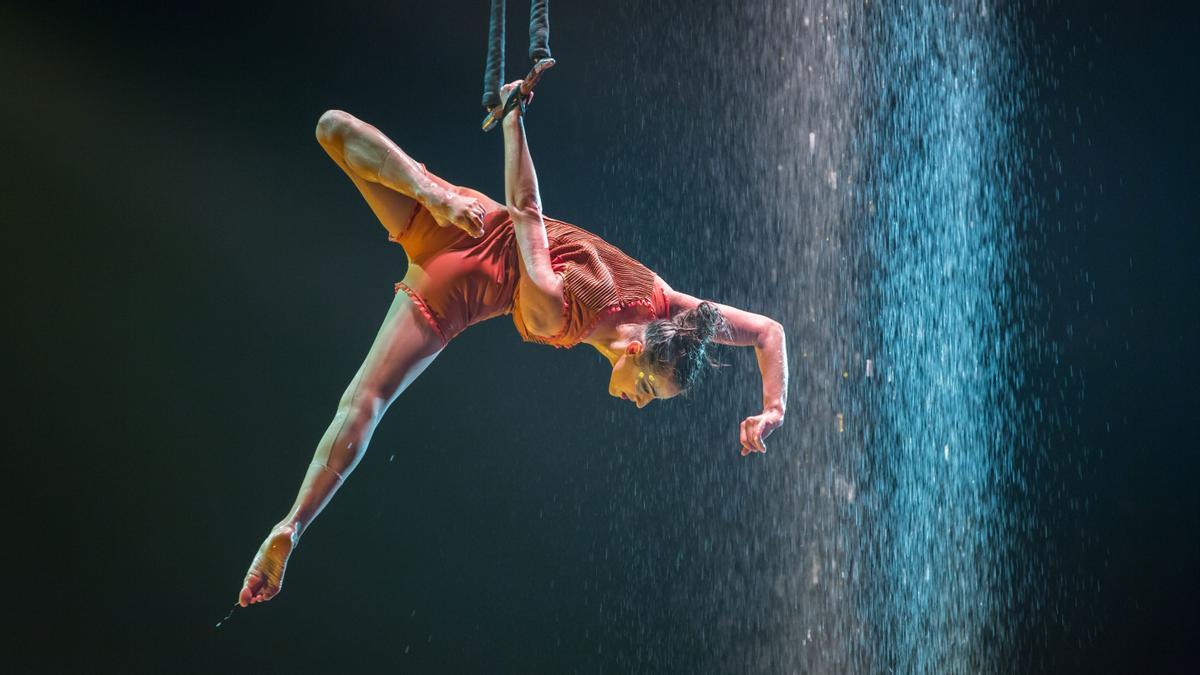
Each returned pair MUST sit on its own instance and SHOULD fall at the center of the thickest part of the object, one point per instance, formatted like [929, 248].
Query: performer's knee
[333, 126]
[361, 410]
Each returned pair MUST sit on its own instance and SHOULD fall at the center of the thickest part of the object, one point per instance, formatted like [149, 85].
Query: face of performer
[633, 381]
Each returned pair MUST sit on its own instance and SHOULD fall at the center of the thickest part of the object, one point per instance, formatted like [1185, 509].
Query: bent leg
[403, 348]
[394, 185]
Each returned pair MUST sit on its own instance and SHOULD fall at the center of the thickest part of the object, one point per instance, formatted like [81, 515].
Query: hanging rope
[493, 72]
[539, 30]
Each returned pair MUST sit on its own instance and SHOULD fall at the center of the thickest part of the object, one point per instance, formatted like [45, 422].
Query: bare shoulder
[678, 301]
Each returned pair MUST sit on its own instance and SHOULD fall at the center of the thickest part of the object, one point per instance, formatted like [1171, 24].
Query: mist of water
[872, 182]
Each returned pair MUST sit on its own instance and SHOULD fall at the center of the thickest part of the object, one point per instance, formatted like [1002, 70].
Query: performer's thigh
[394, 210]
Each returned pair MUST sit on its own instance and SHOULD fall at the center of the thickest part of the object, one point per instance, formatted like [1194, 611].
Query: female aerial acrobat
[472, 259]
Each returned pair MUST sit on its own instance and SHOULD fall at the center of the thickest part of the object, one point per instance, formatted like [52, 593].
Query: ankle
[289, 526]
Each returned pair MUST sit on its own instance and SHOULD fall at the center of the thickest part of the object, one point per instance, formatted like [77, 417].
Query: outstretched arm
[747, 329]
[540, 288]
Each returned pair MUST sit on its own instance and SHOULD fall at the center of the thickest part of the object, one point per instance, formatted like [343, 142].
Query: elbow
[527, 210]
[525, 205]
[771, 332]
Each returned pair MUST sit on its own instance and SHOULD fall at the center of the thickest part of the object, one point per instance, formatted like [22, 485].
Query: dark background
[192, 283]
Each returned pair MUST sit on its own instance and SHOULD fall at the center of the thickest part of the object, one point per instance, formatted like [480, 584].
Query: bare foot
[461, 211]
[265, 576]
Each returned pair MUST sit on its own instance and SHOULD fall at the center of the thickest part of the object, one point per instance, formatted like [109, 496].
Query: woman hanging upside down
[472, 259]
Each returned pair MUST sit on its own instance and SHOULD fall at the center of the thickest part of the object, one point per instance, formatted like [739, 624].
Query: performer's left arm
[747, 329]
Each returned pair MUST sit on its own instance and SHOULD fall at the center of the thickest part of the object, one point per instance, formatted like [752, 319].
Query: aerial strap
[493, 72]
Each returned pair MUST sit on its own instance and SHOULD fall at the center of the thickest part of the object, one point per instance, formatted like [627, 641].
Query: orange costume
[469, 280]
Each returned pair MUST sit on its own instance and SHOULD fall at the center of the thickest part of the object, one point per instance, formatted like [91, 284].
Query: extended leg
[402, 350]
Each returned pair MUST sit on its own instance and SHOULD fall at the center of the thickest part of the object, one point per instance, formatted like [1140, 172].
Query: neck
[612, 342]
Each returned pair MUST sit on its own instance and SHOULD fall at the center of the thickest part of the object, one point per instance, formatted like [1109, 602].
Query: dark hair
[679, 345]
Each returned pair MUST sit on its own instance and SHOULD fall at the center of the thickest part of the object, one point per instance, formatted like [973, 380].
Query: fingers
[746, 439]
[504, 91]
[526, 93]
[751, 436]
